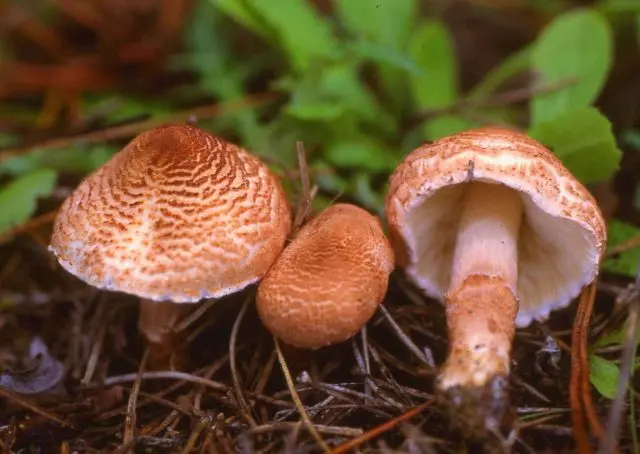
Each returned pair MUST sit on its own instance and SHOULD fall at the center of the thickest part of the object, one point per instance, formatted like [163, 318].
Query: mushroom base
[480, 413]
[481, 319]
[157, 323]
[472, 384]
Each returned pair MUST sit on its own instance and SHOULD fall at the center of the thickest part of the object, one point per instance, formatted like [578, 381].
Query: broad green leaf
[18, 198]
[431, 47]
[361, 153]
[243, 12]
[638, 28]
[627, 262]
[583, 140]
[78, 159]
[387, 23]
[514, 64]
[603, 375]
[575, 47]
[303, 35]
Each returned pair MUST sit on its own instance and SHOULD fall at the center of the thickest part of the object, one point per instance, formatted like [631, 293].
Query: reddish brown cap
[329, 281]
[562, 236]
[177, 215]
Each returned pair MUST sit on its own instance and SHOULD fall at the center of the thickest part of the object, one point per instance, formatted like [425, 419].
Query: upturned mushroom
[329, 281]
[177, 216]
[491, 223]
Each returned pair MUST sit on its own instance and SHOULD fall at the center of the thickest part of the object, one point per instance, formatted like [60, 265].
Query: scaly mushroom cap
[329, 281]
[177, 215]
[562, 236]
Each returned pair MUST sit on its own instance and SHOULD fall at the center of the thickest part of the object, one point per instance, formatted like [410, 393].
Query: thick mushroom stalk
[481, 304]
[158, 323]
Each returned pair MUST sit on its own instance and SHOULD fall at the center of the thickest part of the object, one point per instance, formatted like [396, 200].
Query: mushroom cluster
[177, 216]
[491, 223]
[487, 221]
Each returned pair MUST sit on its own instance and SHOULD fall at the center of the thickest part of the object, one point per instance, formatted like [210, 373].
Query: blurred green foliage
[604, 373]
[362, 88]
[18, 198]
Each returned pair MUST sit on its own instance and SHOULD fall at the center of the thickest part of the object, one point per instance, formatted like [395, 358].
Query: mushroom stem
[157, 322]
[481, 303]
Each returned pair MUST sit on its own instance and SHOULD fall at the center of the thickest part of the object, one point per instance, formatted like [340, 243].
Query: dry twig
[579, 391]
[130, 420]
[296, 398]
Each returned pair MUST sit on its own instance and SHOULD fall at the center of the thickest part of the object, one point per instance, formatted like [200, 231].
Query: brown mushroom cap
[561, 238]
[329, 281]
[177, 215]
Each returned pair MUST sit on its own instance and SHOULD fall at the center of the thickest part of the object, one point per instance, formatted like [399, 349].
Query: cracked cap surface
[177, 215]
[329, 281]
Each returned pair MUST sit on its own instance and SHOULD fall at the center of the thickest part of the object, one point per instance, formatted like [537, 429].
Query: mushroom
[177, 216]
[329, 281]
[491, 223]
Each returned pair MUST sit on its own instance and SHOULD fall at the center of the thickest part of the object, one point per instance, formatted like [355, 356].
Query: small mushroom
[177, 216]
[490, 222]
[329, 281]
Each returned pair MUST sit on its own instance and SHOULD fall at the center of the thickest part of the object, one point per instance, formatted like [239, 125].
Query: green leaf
[78, 159]
[303, 35]
[371, 19]
[334, 92]
[381, 54]
[243, 12]
[616, 337]
[321, 203]
[603, 375]
[327, 179]
[627, 262]
[514, 64]
[445, 125]
[583, 140]
[431, 47]
[18, 198]
[362, 153]
[576, 46]
[312, 110]
[362, 190]
[386, 23]
[219, 73]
